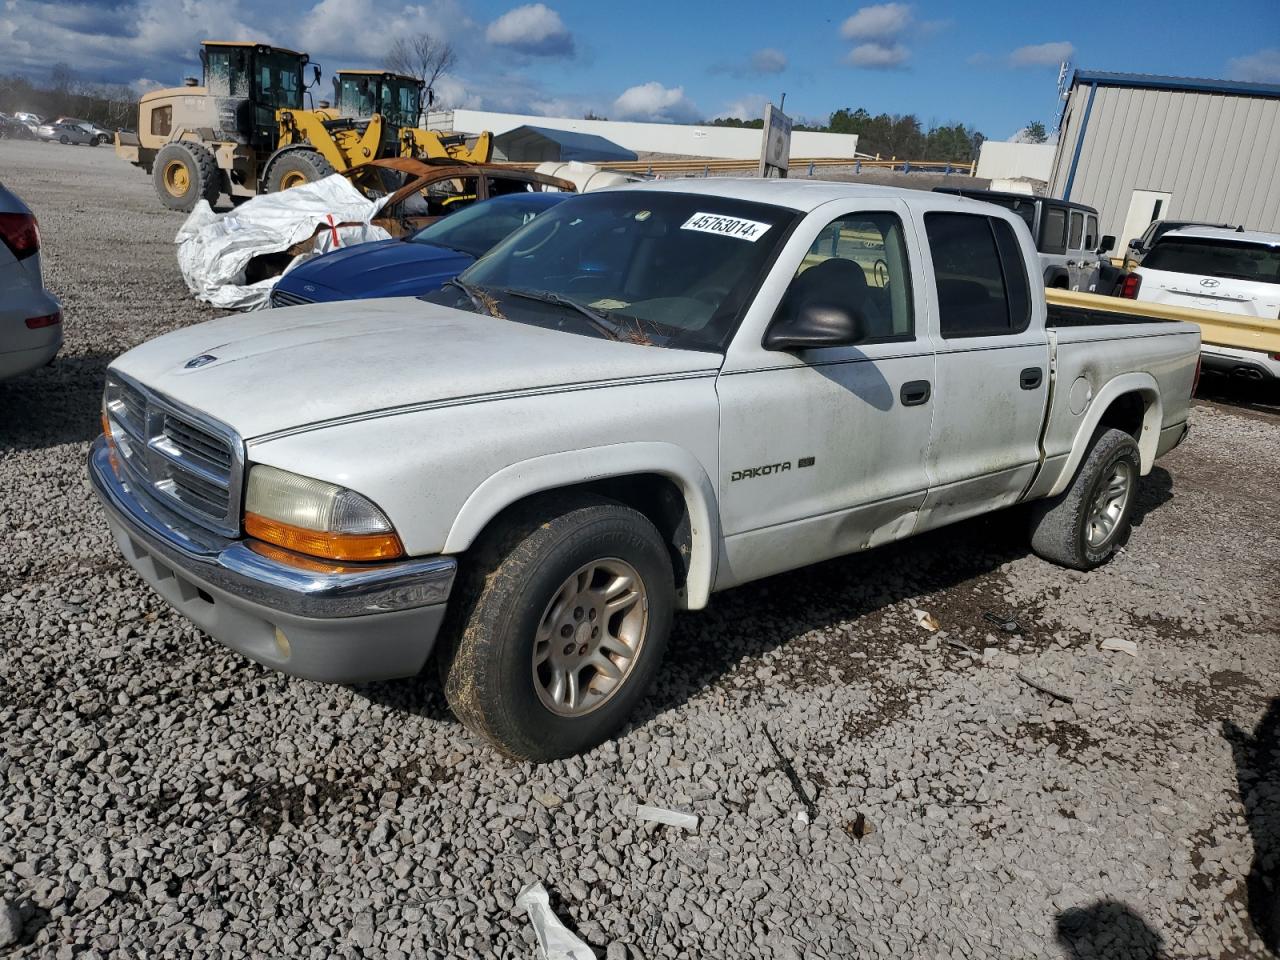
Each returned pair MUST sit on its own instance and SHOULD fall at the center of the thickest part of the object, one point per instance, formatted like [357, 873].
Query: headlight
[316, 518]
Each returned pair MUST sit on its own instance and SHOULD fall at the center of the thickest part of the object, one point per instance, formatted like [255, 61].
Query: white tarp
[215, 248]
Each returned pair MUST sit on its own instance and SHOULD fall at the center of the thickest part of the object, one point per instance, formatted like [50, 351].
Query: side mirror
[1135, 245]
[1108, 244]
[815, 325]
[315, 72]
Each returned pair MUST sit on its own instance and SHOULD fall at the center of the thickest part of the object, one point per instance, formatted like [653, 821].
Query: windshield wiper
[598, 320]
[478, 301]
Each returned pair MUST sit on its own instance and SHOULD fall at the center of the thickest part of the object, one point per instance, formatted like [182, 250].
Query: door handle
[914, 393]
[1030, 378]
[1071, 263]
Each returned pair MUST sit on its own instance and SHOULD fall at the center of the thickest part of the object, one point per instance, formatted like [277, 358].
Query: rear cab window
[1210, 257]
[981, 279]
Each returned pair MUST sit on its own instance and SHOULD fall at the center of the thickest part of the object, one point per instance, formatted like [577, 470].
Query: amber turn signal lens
[317, 543]
[106, 425]
[302, 562]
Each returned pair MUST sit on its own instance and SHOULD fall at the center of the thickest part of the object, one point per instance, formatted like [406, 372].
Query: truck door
[1091, 260]
[1053, 246]
[822, 451]
[1076, 267]
[992, 368]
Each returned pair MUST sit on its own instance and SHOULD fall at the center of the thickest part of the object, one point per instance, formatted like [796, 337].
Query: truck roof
[803, 195]
[1223, 233]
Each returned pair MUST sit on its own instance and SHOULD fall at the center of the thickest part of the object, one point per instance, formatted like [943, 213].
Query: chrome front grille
[190, 462]
[283, 298]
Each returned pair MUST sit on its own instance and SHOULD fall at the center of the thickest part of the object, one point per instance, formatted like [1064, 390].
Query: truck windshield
[669, 269]
[1206, 257]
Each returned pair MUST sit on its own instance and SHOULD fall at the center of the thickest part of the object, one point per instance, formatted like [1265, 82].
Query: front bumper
[338, 623]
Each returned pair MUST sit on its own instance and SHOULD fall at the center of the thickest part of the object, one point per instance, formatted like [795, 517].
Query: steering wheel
[881, 271]
[712, 296]
[535, 245]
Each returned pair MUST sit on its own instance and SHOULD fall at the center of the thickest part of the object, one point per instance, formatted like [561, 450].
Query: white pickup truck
[646, 395]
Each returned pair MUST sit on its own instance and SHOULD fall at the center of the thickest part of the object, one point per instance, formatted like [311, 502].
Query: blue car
[413, 265]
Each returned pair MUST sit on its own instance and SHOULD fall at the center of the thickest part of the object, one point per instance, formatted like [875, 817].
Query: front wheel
[64, 140]
[1085, 524]
[561, 627]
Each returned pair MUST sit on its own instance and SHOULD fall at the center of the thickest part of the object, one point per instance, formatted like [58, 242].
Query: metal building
[1142, 148]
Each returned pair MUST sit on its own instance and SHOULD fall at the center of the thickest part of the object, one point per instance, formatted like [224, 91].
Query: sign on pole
[775, 149]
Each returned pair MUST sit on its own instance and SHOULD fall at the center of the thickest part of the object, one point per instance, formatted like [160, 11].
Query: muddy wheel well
[654, 495]
[1126, 413]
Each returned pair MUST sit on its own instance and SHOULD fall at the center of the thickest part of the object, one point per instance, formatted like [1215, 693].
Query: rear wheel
[185, 172]
[64, 140]
[293, 168]
[1085, 524]
[560, 628]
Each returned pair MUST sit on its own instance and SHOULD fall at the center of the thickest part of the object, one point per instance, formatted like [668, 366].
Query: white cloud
[881, 21]
[878, 56]
[1260, 67]
[338, 32]
[750, 107]
[768, 60]
[653, 102]
[534, 29]
[1042, 54]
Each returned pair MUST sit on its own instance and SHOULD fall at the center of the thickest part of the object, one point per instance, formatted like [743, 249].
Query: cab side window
[859, 261]
[1053, 230]
[1091, 233]
[1077, 229]
[981, 279]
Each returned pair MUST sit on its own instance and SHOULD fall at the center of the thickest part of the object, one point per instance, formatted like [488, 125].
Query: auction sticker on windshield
[751, 230]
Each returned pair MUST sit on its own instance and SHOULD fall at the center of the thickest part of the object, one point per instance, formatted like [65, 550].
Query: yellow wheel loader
[246, 131]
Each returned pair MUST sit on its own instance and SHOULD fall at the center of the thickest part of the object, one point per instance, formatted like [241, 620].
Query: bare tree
[422, 56]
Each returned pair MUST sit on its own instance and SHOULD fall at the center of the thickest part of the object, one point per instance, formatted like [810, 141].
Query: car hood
[385, 268]
[277, 370]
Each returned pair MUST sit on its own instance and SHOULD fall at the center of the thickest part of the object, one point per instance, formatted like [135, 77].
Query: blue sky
[992, 64]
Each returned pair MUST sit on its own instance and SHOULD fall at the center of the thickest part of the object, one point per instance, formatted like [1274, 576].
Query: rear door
[1053, 245]
[1226, 275]
[992, 367]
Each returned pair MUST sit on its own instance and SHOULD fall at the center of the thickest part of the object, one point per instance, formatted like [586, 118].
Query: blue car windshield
[481, 226]
[651, 266]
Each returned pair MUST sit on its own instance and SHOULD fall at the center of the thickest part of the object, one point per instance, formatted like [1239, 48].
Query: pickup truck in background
[1072, 255]
[1221, 269]
[642, 396]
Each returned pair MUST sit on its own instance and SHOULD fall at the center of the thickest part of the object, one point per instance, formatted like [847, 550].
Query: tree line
[900, 136]
[110, 105]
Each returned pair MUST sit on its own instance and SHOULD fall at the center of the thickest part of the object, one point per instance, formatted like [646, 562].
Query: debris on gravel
[162, 796]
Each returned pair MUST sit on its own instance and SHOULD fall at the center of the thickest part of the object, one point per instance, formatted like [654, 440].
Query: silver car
[66, 133]
[30, 316]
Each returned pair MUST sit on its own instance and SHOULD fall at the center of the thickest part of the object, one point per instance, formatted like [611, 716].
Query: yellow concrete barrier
[1222, 329]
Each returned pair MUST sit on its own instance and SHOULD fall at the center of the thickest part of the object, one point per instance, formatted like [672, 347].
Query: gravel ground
[863, 787]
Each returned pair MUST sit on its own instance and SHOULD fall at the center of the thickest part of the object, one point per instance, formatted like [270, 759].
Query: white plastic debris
[802, 817]
[1119, 646]
[215, 248]
[927, 620]
[555, 940]
[672, 818]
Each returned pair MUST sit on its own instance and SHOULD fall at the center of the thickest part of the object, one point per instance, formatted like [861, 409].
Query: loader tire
[293, 168]
[185, 172]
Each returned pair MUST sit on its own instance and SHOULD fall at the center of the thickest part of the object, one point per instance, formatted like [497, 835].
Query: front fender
[574, 467]
[1143, 384]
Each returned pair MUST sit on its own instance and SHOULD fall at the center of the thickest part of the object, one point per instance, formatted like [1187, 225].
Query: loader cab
[359, 94]
[250, 82]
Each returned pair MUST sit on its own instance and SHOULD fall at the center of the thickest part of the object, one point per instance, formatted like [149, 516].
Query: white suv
[30, 317]
[1211, 268]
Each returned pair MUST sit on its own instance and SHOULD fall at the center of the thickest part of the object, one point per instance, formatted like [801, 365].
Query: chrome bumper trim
[232, 566]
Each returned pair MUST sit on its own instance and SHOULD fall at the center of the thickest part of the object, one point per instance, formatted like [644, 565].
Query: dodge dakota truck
[643, 396]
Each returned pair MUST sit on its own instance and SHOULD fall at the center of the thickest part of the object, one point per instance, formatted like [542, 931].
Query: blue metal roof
[573, 145]
[1153, 81]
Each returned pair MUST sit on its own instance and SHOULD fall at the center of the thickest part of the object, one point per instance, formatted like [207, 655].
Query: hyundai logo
[308, 288]
[1208, 282]
[199, 361]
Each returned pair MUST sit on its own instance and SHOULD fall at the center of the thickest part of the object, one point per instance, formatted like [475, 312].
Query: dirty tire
[295, 167]
[185, 172]
[486, 660]
[1060, 525]
[64, 140]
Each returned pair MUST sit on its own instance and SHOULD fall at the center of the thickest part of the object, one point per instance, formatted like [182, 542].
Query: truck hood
[276, 370]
